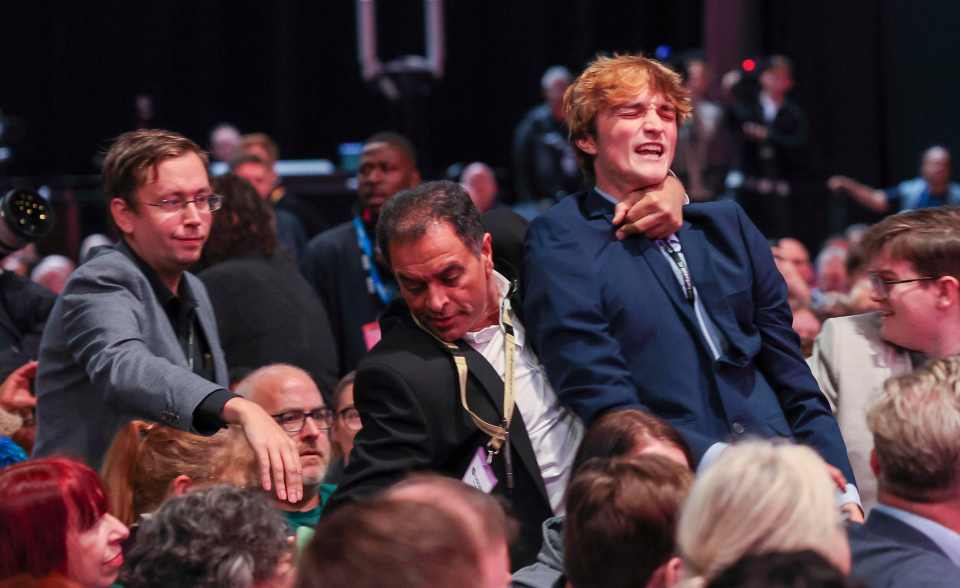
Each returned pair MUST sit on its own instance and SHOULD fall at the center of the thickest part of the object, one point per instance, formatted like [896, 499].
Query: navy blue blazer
[888, 553]
[613, 328]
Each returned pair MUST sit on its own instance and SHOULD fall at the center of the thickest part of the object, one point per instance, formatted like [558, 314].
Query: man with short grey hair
[912, 537]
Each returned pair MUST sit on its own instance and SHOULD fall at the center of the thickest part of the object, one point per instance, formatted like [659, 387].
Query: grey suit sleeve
[820, 362]
[105, 327]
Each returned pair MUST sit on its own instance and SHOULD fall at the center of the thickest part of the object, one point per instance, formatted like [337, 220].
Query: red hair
[40, 500]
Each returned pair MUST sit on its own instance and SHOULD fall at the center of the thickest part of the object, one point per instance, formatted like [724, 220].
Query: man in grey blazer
[914, 260]
[912, 536]
[133, 335]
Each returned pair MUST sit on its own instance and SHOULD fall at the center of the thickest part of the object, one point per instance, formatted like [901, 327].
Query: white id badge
[479, 473]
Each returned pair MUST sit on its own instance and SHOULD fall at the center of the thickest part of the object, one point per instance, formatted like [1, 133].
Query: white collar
[484, 335]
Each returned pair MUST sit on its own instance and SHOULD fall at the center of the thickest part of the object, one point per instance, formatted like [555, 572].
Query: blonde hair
[145, 458]
[611, 81]
[916, 431]
[757, 498]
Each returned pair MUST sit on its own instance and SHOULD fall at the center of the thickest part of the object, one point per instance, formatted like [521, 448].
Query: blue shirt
[946, 539]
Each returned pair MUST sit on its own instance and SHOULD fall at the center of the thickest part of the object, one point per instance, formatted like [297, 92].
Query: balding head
[935, 168]
[481, 184]
[287, 392]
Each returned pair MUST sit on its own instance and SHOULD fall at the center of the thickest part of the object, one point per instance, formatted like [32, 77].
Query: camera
[25, 217]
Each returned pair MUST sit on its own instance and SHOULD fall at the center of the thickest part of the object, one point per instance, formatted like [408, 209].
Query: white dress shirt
[555, 431]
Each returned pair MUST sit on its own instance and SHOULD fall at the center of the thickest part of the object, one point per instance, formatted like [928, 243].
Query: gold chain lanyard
[499, 434]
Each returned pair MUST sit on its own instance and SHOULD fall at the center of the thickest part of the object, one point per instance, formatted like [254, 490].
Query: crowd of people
[635, 376]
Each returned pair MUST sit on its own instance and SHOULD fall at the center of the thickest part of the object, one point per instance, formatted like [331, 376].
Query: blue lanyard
[374, 284]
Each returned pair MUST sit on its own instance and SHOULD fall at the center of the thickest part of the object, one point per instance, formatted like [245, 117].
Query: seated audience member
[932, 188]
[346, 424]
[480, 183]
[913, 260]
[484, 517]
[797, 569]
[396, 543]
[266, 311]
[292, 398]
[622, 433]
[289, 230]
[148, 463]
[759, 498]
[52, 272]
[54, 521]
[211, 538]
[912, 536]
[621, 522]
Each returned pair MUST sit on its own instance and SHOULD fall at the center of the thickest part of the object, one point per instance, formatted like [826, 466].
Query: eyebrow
[452, 266]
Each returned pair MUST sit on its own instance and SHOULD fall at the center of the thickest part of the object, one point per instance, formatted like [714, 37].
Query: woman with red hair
[54, 520]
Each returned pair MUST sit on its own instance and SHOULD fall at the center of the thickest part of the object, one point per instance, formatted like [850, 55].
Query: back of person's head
[760, 497]
[798, 569]
[388, 542]
[40, 501]
[621, 520]
[916, 433]
[631, 432]
[928, 238]
[483, 513]
[408, 215]
[215, 537]
[145, 462]
[246, 226]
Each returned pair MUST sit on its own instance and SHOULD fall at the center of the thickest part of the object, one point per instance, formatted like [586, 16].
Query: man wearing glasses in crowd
[133, 334]
[292, 398]
[914, 263]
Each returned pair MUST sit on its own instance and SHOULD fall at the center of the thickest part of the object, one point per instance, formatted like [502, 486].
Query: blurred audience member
[292, 398]
[696, 159]
[912, 536]
[52, 272]
[914, 267]
[773, 149]
[621, 523]
[491, 530]
[544, 163]
[795, 569]
[932, 188]
[266, 311]
[260, 145]
[396, 543]
[224, 142]
[343, 264]
[347, 422]
[831, 268]
[289, 231]
[758, 498]
[21, 260]
[147, 463]
[481, 184]
[627, 433]
[792, 251]
[17, 404]
[54, 520]
[216, 537]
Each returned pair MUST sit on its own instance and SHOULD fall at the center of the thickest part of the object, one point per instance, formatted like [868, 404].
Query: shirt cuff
[208, 416]
[710, 455]
[851, 495]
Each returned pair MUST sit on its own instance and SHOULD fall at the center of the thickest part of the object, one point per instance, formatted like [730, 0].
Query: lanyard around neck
[499, 434]
[375, 284]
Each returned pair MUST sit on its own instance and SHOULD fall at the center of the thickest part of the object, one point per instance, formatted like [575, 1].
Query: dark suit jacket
[332, 266]
[613, 328]
[784, 153]
[267, 313]
[888, 553]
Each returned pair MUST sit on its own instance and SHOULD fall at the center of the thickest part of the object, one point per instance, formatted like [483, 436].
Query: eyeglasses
[350, 417]
[294, 421]
[882, 286]
[209, 203]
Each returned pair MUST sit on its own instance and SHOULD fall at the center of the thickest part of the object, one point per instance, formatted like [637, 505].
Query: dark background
[877, 78]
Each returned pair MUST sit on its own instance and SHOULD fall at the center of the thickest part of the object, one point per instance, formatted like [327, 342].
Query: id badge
[479, 473]
[371, 334]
